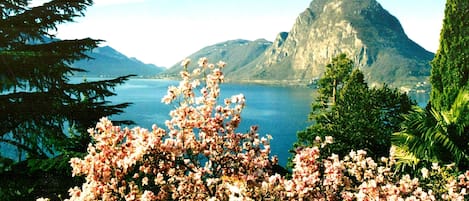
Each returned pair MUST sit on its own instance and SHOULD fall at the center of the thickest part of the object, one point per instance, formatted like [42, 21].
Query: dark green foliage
[362, 118]
[38, 105]
[440, 132]
[450, 67]
[37, 98]
[334, 77]
[429, 135]
[34, 178]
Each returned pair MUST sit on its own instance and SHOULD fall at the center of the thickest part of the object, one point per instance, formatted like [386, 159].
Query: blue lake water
[278, 111]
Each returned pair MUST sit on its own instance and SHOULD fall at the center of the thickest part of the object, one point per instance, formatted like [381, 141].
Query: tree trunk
[334, 91]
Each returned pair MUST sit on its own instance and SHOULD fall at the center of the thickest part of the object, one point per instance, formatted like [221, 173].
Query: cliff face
[362, 29]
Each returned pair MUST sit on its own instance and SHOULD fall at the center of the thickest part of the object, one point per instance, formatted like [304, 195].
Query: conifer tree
[44, 115]
[37, 100]
[336, 73]
[450, 67]
[359, 118]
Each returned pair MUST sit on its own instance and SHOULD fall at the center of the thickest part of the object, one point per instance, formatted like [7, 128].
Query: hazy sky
[164, 32]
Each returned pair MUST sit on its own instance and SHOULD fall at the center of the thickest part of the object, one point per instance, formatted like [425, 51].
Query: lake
[278, 111]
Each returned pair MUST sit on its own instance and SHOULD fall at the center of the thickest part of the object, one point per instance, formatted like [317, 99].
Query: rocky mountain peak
[362, 29]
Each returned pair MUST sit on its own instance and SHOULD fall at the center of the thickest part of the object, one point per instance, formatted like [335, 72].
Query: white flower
[196, 72]
[213, 199]
[145, 181]
[317, 139]
[185, 62]
[424, 172]
[147, 195]
[221, 64]
[235, 192]
[329, 140]
[203, 62]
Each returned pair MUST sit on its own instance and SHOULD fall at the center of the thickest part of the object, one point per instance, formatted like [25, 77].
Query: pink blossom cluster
[357, 177]
[197, 157]
[201, 156]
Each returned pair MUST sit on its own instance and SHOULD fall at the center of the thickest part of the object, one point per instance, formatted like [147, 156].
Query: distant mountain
[109, 62]
[362, 29]
[236, 53]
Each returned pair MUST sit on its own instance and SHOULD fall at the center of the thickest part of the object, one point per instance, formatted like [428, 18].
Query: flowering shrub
[196, 158]
[200, 156]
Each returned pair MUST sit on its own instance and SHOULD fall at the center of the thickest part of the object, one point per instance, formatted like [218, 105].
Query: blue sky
[164, 32]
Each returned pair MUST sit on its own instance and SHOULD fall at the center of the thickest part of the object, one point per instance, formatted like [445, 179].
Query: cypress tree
[439, 132]
[450, 69]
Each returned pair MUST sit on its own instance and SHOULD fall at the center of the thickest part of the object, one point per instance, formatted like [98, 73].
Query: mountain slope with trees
[107, 62]
[236, 53]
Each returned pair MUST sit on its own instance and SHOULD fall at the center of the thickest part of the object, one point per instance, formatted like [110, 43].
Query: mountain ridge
[365, 31]
[372, 37]
[105, 61]
[236, 53]
[108, 62]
